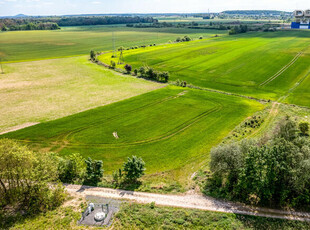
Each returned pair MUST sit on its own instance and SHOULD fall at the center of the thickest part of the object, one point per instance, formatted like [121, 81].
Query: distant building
[302, 19]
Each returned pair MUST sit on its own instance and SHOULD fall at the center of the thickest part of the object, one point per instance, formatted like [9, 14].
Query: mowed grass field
[262, 65]
[172, 129]
[70, 41]
[45, 90]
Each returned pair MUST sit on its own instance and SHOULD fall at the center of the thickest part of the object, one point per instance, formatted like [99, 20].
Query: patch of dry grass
[44, 90]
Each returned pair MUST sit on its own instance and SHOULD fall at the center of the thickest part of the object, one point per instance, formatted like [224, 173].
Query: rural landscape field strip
[79, 40]
[240, 64]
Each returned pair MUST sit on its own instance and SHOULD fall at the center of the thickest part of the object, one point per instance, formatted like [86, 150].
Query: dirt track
[189, 200]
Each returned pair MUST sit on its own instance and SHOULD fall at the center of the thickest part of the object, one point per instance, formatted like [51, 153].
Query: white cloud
[96, 2]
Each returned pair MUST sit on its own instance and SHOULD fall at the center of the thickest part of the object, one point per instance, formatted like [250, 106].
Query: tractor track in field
[298, 83]
[189, 200]
[63, 140]
[165, 136]
[99, 121]
[284, 68]
[171, 133]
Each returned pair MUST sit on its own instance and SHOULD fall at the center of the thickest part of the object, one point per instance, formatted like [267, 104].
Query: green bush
[72, 168]
[92, 55]
[133, 168]
[94, 171]
[304, 128]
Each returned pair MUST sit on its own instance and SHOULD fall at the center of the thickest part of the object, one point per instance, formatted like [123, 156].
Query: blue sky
[60, 7]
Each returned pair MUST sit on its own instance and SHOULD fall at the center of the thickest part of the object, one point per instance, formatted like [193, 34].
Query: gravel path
[189, 200]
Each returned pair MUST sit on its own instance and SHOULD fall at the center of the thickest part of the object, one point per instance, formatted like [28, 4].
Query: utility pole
[1, 66]
[113, 40]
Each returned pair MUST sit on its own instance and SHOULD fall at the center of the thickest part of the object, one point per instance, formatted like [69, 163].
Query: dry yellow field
[44, 90]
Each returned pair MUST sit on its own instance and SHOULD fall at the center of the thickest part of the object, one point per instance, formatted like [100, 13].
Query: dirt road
[189, 200]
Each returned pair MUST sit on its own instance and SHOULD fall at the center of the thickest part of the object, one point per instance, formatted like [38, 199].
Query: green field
[172, 129]
[45, 90]
[263, 65]
[70, 41]
[200, 20]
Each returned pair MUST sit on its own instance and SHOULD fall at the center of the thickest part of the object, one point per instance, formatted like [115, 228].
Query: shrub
[187, 38]
[142, 70]
[304, 128]
[128, 68]
[112, 64]
[72, 168]
[135, 72]
[94, 171]
[92, 55]
[133, 168]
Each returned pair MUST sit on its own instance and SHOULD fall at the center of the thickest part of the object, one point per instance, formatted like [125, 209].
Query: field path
[269, 119]
[189, 200]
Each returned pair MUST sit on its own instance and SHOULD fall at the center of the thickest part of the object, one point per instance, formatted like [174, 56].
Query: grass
[69, 41]
[150, 216]
[200, 20]
[137, 216]
[238, 64]
[172, 129]
[46, 90]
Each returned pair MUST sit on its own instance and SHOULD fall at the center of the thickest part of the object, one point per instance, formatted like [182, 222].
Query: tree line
[23, 25]
[52, 23]
[273, 172]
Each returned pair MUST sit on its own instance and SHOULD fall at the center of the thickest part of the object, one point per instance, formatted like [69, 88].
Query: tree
[276, 173]
[187, 38]
[133, 168]
[178, 39]
[4, 28]
[72, 168]
[149, 72]
[287, 129]
[112, 64]
[142, 71]
[92, 55]
[136, 72]
[25, 178]
[128, 68]
[304, 128]
[94, 171]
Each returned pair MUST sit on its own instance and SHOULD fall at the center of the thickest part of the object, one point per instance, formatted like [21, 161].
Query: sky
[63, 7]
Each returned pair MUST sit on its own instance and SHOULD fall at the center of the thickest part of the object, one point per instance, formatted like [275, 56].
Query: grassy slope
[237, 64]
[45, 90]
[299, 92]
[170, 131]
[136, 216]
[69, 41]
